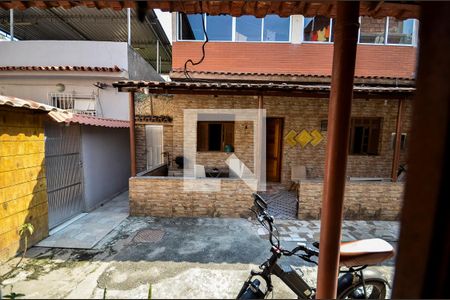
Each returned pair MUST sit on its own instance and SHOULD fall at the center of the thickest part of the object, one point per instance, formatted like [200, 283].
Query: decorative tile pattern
[303, 138]
[290, 138]
[317, 137]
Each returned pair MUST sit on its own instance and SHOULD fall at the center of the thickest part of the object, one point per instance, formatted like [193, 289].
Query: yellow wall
[23, 195]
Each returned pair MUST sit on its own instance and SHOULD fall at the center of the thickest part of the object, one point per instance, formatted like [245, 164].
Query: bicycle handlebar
[264, 218]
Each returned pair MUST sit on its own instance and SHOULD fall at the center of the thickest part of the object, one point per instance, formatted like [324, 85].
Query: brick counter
[363, 200]
[166, 197]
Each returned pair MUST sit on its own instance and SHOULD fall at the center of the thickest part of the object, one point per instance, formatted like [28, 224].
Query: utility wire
[186, 72]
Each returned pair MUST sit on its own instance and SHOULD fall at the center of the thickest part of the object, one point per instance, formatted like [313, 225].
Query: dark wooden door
[274, 132]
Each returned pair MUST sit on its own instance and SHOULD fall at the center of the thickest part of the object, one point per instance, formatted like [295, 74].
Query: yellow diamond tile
[303, 138]
[317, 137]
[290, 138]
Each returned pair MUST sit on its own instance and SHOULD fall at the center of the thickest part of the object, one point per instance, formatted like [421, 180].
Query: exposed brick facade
[166, 197]
[307, 58]
[362, 200]
[298, 114]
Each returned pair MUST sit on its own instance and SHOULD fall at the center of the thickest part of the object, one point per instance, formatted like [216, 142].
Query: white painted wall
[35, 85]
[106, 163]
[112, 104]
[64, 53]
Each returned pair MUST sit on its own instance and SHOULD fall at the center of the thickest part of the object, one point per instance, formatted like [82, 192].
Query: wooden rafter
[237, 8]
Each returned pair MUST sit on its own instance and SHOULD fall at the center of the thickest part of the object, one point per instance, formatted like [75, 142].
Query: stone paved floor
[309, 231]
[282, 204]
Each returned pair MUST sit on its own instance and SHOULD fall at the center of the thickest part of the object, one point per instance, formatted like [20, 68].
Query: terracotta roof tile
[61, 68]
[179, 73]
[239, 88]
[60, 115]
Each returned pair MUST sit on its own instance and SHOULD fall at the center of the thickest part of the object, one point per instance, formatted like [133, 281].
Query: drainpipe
[132, 136]
[11, 24]
[129, 25]
[398, 138]
[340, 105]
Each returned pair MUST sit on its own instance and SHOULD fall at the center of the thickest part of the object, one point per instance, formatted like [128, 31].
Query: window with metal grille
[365, 136]
[76, 103]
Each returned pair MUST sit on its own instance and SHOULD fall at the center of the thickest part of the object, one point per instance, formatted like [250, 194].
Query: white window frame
[386, 29]
[233, 33]
[315, 42]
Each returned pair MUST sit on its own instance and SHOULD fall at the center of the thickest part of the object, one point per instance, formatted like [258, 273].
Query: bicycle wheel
[375, 289]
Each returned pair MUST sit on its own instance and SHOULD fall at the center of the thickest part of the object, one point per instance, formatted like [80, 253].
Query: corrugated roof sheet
[378, 9]
[239, 88]
[61, 68]
[60, 115]
[84, 23]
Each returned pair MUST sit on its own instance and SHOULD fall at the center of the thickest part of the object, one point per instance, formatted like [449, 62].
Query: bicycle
[355, 280]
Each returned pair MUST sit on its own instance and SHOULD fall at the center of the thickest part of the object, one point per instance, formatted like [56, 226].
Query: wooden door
[274, 132]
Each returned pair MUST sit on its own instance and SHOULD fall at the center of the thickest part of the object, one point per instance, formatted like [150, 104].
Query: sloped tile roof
[240, 88]
[61, 68]
[60, 115]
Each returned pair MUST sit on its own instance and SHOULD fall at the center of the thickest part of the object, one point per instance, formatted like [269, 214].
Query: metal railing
[85, 104]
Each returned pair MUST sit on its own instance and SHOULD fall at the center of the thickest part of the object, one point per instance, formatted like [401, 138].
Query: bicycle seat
[365, 252]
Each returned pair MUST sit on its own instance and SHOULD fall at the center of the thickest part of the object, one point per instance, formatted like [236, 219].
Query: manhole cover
[148, 236]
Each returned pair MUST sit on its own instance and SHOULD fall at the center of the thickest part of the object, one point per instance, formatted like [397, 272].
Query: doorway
[154, 145]
[274, 133]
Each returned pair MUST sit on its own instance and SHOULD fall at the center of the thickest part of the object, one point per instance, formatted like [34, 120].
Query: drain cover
[148, 236]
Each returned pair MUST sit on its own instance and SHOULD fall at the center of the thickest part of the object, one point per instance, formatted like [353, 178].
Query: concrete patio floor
[179, 257]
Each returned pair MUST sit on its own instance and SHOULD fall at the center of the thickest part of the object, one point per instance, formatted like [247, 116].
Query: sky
[165, 18]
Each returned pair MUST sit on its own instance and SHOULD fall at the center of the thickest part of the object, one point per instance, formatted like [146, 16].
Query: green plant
[149, 291]
[25, 230]
[14, 295]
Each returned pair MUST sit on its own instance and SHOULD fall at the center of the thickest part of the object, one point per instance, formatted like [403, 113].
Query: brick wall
[166, 197]
[23, 195]
[362, 200]
[298, 114]
[308, 58]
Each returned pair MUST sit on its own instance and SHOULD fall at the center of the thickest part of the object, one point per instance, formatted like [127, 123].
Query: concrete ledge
[363, 200]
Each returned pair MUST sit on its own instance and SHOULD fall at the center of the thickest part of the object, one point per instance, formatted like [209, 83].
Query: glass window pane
[248, 28]
[190, 27]
[400, 32]
[276, 28]
[316, 29]
[219, 28]
[372, 30]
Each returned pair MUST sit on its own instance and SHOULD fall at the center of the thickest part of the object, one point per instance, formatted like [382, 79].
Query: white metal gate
[64, 173]
[154, 144]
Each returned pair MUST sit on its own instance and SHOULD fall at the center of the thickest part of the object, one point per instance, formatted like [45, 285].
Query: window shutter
[374, 137]
[202, 136]
[228, 134]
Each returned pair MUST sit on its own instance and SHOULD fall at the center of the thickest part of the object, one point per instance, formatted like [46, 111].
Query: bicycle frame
[289, 277]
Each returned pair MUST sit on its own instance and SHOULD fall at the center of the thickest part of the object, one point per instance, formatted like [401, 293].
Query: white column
[129, 25]
[11, 24]
[158, 66]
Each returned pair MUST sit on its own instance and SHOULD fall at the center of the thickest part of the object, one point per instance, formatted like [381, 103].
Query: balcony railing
[76, 103]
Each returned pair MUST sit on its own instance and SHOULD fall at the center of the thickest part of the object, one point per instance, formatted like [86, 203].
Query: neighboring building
[72, 75]
[293, 45]
[284, 66]
[39, 143]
